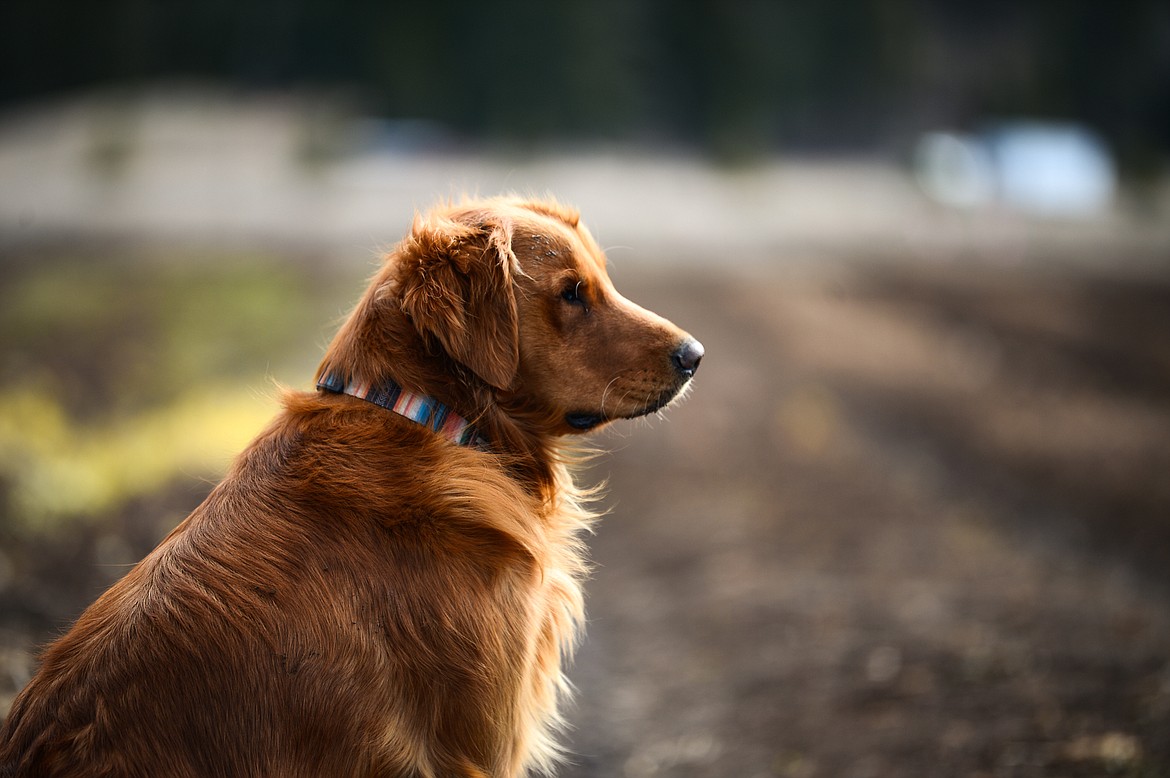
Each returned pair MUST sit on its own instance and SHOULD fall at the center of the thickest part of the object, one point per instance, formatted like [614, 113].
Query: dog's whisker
[605, 392]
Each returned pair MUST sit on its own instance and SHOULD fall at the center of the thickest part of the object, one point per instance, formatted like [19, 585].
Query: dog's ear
[458, 288]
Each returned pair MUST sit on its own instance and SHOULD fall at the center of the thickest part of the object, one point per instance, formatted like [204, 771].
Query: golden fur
[359, 596]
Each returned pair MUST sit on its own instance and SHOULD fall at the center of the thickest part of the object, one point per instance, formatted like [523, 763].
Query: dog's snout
[687, 357]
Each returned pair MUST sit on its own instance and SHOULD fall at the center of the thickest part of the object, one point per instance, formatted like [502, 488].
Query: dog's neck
[379, 345]
[419, 408]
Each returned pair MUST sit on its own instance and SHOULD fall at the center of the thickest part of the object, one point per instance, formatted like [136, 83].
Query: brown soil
[911, 522]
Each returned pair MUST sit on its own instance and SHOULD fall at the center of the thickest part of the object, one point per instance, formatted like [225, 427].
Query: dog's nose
[687, 357]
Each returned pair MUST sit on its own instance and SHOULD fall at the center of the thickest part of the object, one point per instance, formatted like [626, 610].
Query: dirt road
[912, 522]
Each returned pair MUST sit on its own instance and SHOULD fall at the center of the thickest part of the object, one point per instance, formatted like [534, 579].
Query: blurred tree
[737, 77]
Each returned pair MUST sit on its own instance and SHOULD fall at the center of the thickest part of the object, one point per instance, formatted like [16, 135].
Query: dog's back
[286, 626]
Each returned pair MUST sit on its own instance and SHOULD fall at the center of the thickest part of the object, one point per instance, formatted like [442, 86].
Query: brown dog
[388, 578]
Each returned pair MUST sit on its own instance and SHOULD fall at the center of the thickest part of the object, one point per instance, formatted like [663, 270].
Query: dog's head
[516, 293]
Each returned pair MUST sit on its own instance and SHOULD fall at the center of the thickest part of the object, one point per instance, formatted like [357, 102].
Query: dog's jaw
[584, 421]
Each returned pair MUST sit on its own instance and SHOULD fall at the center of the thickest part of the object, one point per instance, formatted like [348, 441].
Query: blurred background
[914, 519]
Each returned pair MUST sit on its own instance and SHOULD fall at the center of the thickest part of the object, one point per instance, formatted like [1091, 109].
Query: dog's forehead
[551, 243]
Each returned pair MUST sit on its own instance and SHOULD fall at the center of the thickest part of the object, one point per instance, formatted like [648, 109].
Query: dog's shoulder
[339, 464]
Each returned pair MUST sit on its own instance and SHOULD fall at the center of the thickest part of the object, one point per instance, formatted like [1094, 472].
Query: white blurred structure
[1061, 170]
[955, 170]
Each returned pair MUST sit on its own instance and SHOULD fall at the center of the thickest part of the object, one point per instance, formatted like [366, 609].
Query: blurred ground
[914, 519]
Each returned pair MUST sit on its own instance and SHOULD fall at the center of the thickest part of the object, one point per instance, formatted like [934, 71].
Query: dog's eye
[572, 293]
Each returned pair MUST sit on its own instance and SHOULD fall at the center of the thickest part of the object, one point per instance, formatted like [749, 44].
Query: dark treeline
[726, 75]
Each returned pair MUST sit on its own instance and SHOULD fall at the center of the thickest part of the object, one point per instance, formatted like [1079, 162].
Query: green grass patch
[121, 373]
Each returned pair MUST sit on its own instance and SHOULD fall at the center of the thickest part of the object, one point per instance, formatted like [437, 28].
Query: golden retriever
[388, 580]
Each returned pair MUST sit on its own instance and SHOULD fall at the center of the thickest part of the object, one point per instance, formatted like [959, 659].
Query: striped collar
[419, 408]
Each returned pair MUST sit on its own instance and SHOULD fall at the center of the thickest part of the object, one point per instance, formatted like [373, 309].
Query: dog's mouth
[587, 420]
